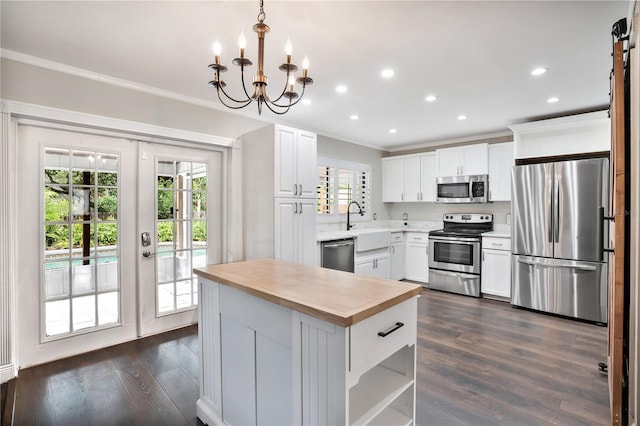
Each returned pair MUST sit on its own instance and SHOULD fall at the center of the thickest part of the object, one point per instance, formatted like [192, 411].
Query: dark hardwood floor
[480, 362]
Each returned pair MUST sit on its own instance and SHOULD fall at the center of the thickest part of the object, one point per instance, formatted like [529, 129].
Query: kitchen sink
[371, 239]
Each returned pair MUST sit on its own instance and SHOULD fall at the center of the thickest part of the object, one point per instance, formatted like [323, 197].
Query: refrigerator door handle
[548, 265]
[556, 211]
[551, 216]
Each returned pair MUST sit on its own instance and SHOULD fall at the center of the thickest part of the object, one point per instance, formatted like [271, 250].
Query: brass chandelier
[288, 98]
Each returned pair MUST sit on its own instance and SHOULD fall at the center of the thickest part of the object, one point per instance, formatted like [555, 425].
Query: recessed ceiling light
[462, 117]
[354, 117]
[431, 98]
[393, 130]
[388, 73]
[341, 89]
[553, 100]
[306, 102]
[538, 71]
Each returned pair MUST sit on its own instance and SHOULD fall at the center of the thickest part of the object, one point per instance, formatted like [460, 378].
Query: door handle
[295, 206]
[299, 189]
[295, 189]
[148, 254]
[300, 209]
[337, 245]
[604, 218]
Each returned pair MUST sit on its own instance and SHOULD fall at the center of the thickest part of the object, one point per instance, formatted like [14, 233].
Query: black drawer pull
[395, 327]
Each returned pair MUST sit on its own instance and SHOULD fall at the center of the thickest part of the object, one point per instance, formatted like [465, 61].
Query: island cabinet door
[257, 358]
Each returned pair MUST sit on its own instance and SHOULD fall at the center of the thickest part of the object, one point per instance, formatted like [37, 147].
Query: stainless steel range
[454, 253]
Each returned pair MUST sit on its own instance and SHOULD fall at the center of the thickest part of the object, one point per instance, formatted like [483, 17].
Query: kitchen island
[284, 343]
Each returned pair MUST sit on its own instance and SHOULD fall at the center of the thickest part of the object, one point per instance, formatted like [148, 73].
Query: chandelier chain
[261, 15]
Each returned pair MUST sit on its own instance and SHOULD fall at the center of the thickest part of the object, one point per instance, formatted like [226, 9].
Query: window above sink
[339, 183]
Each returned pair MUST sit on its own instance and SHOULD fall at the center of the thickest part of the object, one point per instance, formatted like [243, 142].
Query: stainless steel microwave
[463, 189]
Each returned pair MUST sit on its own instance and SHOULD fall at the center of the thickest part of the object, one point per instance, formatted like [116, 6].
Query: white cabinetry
[396, 266]
[501, 160]
[575, 134]
[266, 364]
[417, 257]
[279, 169]
[295, 162]
[463, 160]
[496, 267]
[428, 175]
[409, 178]
[373, 263]
[295, 230]
[392, 179]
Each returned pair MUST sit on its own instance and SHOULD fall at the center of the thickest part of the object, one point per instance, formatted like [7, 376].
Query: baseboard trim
[7, 372]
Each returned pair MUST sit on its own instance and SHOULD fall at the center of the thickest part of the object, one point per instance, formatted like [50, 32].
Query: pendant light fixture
[287, 98]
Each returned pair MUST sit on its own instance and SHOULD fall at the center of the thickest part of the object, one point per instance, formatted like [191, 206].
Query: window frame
[356, 169]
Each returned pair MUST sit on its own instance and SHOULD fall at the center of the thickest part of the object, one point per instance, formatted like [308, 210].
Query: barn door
[618, 270]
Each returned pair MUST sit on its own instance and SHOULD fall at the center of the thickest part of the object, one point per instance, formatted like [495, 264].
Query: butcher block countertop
[338, 297]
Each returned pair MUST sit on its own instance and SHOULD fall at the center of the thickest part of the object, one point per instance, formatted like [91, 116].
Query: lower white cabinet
[263, 363]
[416, 257]
[496, 267]
[295, 230]
[374, 264]
[396, 263]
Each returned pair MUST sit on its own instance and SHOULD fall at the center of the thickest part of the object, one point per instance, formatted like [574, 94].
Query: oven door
[455, 254]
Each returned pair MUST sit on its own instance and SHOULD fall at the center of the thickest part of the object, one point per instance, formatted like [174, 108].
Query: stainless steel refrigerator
[558, 237]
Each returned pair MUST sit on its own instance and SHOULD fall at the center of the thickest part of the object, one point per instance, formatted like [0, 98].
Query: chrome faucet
[349, 226]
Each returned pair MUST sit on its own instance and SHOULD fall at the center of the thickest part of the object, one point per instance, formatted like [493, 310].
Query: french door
[87, 279]
[179, 220]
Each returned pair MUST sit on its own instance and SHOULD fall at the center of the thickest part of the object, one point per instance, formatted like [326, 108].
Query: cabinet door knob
[299, 189]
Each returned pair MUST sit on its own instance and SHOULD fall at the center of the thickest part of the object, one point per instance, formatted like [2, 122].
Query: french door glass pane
[84, 312]
[80, 271]
[182, 232]
[83, 279]
[58, 319]
[108, 311]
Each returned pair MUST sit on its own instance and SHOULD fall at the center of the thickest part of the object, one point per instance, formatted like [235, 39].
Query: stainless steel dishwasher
[338, 254]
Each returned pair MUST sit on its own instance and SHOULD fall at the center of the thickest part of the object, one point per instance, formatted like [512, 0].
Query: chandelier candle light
[260, 79]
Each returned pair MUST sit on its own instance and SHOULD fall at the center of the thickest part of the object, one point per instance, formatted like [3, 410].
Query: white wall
[434, 211]
[39, 86]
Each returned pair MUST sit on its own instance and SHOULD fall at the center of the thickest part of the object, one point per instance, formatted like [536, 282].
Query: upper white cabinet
[279, 167]
[409, 178]
[428, 175]
[501, 160]
[575, 134]
[295, 162]
[463, 160]
[392, 179]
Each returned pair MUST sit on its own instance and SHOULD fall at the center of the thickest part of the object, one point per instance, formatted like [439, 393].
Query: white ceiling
[476, 56]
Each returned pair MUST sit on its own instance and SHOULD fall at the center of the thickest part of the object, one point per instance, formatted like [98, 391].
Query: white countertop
[498, 234]
[339, 235]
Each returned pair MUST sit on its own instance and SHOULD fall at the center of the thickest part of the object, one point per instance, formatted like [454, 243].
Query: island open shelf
[283, 343]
